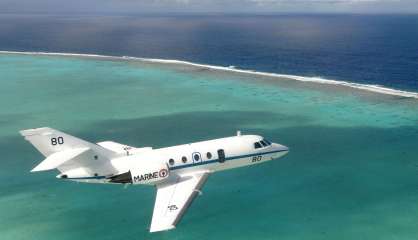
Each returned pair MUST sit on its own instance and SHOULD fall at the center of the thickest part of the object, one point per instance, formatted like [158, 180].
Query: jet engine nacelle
[150, 174]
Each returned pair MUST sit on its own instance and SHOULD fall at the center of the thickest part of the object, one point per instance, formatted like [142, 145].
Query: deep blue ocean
[372, 49]
[352, 170]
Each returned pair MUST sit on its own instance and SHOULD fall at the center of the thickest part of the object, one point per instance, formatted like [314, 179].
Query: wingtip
[40, 167]
[161, 229]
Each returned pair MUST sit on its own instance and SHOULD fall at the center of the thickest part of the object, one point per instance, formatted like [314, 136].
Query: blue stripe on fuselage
[226, 159]
[86, 178]
[195, 164]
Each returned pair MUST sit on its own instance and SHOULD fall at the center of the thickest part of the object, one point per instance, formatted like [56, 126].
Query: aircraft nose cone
[281, 150]
[280, 147]
[284, 148]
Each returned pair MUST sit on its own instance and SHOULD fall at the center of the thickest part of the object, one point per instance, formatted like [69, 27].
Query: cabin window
[221, 155]
[209, 155]
[171, 161]
[267, 141]
[196, 157]
[184, 159]
[264, 143]
[257, 145]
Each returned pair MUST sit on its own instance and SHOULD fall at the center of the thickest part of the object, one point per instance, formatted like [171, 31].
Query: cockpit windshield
[261, 144]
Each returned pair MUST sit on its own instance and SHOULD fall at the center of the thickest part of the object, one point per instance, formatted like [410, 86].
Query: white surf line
[365, 87]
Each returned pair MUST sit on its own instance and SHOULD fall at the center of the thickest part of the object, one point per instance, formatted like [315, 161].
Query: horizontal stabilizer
[56, 159]
[115, 147]
[122, 148]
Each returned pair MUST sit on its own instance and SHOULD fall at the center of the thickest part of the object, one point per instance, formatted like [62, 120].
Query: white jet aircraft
[178, 172]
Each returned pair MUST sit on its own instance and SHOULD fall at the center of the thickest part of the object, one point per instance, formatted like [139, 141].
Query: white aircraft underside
[178, 172]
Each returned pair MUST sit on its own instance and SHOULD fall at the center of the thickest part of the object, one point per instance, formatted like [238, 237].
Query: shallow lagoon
[351, 172]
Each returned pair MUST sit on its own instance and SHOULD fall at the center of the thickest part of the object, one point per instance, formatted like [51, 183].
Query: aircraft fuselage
[156, 165]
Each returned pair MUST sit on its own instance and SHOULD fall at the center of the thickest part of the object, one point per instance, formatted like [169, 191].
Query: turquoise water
[352, 172]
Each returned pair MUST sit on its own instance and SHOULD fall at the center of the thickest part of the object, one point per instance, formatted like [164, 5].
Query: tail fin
[49, 141]
[64, 151]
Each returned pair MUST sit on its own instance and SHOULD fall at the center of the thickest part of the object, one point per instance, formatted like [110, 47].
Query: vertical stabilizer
[49, 141]
[66, 152]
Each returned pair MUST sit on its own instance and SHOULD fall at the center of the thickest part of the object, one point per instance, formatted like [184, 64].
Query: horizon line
[201, 13]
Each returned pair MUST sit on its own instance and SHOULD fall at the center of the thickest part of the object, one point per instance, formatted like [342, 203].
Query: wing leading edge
[174, 199]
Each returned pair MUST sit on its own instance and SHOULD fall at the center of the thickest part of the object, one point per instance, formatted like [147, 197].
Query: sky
[198, 6]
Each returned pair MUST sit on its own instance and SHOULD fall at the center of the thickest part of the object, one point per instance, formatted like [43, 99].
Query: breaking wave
[365, 87]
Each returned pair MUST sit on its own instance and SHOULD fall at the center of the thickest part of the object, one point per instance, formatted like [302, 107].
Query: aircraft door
[221, 155]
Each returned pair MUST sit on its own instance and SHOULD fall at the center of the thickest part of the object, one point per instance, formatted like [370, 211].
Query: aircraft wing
[174, 199]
